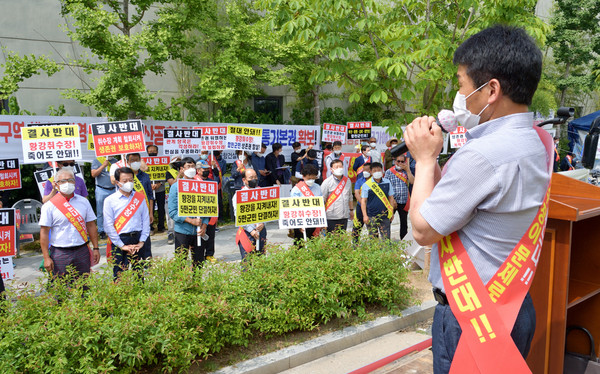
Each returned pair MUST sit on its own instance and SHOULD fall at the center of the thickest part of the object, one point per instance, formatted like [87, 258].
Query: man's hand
[424, 139]
[202, 229]
[106, 163]
[213, 164]
[194, 221]
[260, 226]
[48, 264]
[263, 173]
[366, 220]
[156, 185]
[95, 256]
[255, 234]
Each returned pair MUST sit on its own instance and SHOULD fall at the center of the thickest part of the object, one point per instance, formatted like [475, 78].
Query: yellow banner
[49, 132]
[246, 131]
[197, 198]
[256, 205]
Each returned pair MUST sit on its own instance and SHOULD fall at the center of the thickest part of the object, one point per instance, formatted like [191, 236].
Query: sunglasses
[68, 164]
[400, 160]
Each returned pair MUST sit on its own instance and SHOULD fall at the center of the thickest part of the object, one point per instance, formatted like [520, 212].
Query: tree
[18, 68]
[393, 52]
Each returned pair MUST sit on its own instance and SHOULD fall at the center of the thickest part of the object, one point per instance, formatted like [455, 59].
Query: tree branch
[362, 2]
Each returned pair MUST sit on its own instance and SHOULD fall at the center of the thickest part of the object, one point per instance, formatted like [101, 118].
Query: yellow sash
[379, 193]
[138, 187]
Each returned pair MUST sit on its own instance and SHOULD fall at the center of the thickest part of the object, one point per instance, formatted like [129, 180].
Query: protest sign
[8, 232]
[117, 138]
[197, 198]
[6, 268]
[247, 139]
[50, 143]
[41, 176]
[10, 174]
[256, 205]
[359, 130]
[157, 167]
[213, 138]
[182, 142]
[332, 133]
[458, 137]
[301, 212]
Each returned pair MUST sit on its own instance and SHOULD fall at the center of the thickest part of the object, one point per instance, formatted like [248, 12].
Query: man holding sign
[377, 203]
[337, 193]
[307, 187]
[248, 235]
[72, 221]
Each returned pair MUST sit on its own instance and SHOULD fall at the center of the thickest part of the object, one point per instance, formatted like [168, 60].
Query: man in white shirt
[337, 194]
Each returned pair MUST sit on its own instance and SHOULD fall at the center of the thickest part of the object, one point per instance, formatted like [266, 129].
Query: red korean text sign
[197, 198]
[359, 130]
[302, 212]
[332, 133]
[256, 205]
[213, 138]
[50, 143]
[458, 137]
[157, 167]
[10, 174]
[8, 232]
[182, 142]
[116, 138]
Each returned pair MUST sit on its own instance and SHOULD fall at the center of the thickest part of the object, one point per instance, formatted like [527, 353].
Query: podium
[566, 287]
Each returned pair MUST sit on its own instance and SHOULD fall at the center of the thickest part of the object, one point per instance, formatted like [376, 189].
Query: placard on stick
[301, 212]
[256, 205]
[247, 139]
[157, 167]
[197, 198]
[8, 232]
[332, 133]
[213, 138]
[458, 137]
[118, 138]
[359, 130]
[181, 141]
[10, 174]
[50, 143]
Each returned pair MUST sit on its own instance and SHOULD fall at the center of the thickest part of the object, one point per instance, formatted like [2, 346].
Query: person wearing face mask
[274, 162]
[336, 154]
[50, 189]
[364, 158]
[259, 164]
[126, 222]
[186, 228]
[307, 188]
[171, 176]
[310, 159]
[389, 160]
[158, 188]
[208, 246]
[337, 194]
[374, 152]
[247, 235]
[377, 203]
[241, 165]
[357, 220]
[297, 155]
[401, 177]
[104, 187]
[483, 202]
[72, 221]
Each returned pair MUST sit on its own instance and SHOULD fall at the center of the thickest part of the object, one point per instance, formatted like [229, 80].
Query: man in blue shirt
[401, 177]
[377, 202]
[258, 163]
[104, 188]
[311, 159]
[357, 222]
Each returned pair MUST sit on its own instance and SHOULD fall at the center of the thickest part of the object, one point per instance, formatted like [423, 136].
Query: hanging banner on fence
[359, 130]
[6, 268]
[197, 198]
[118, 138]
[50, 143]
[301, 212]
[213, 138]
[458, 138]
[182, 142]
[256, 205]
[8, 232]
[41, 176]
[157, 167]
[247, 139]
[10, 174]
[332, 133]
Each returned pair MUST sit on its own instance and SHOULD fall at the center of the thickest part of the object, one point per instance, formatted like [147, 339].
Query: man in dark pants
[357, 221]
[208, 246]
[401, 177]
[480, 209]
[273, 162]
[337, 195]
[158, 187]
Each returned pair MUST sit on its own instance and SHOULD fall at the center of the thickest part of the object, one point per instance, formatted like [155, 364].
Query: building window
[272, 105]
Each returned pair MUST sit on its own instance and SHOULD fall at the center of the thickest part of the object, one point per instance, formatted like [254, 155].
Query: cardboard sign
[10, 174]
[213, 138]
[332, 133]
[51, 143]
[359, 130]
[118, 138]
[6, 268]
[458, 137]
[247, 139]
[256, 205]
[157, 167]
[41, 176]
[301, 212]
[182, 142]
[8, 232]
[197, 198]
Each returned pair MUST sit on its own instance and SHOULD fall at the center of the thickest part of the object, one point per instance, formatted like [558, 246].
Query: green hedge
[176, 316]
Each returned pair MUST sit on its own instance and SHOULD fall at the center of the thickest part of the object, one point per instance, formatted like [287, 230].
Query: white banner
[6, 268]
[332, 132]
[51, 143]
[182, 142]
[301, 212]
[458, 137]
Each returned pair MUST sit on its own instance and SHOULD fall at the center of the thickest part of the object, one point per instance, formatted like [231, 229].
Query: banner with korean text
[157, 167]
[332, 133]
[7, 269]
[359, 130]
[256, 205]
[213, 138]
[10, 174]
[182, 142]
[50, 143]
[41, 176]
[118, 138]
[247, 139]
[458, 137]
[8, 232]
[197, 198]
[301, 212]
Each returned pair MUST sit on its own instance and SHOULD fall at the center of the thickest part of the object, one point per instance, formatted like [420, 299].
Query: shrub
[175, 315]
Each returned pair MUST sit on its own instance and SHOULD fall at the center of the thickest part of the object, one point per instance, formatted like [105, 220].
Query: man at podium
[477, 212]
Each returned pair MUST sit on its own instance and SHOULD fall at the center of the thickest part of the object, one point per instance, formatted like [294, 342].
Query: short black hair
[337, 143]
[123, 170]
[364, 148]
[263, 145]
[312, 153]
[276, 146]
[151, 145]
[310, 169]
[336, 161]
[296, 145]
[132, 154]
[376, 165]
[367, 164]
[186, 160]
[506, 53]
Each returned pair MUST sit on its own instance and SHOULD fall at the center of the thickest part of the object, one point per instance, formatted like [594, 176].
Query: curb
[321, 346]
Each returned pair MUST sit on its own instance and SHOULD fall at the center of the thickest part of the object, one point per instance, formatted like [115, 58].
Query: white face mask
[337, 153]
[338, 172]
[377, 175]
[366, 174]
[127, 186]
[67, 188]
[310, 182]
[203, 157]
[242, 157]
[260, 154]
[373, 145]
[135, 166]
[190, 173]
[462, 114]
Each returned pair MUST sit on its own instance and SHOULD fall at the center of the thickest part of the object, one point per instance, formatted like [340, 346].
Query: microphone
[445, 119]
